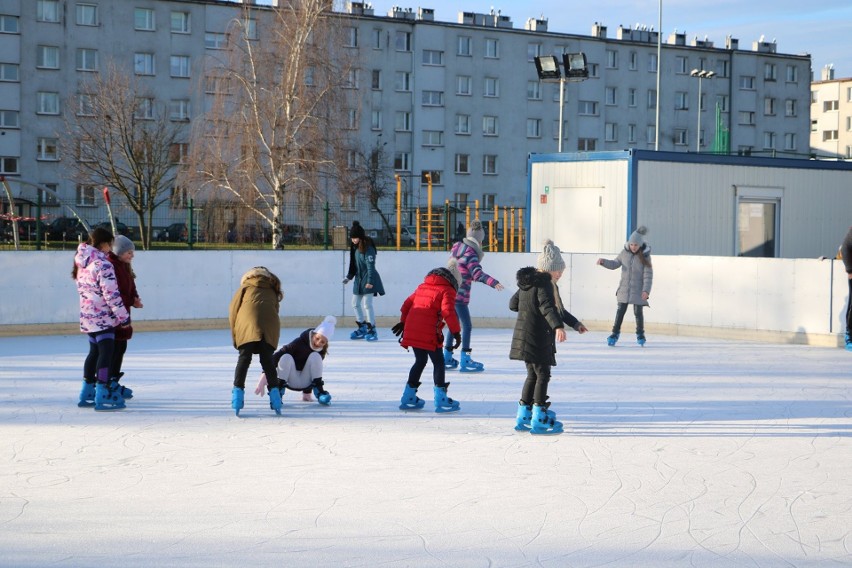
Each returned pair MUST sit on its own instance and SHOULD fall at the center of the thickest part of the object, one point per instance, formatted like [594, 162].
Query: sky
[822, 28]
[693, 452]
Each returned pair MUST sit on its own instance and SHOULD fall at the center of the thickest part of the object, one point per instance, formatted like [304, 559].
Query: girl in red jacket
[421, 327]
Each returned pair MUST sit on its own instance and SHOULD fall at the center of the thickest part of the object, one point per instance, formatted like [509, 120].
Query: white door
[579, 226]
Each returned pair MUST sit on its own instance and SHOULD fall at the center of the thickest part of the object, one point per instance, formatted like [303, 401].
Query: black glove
[397, 329]
[346, 281]
[457, 337]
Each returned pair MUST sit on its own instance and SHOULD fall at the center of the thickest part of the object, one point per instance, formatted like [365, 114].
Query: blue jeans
[363, 306]
[463, 313]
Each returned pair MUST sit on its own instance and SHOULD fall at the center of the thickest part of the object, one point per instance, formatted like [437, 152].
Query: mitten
[345, 281]
[397, 329]
[261, 385]
[457, 342]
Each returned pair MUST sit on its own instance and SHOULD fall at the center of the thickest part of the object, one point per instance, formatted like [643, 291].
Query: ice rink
[686, 452]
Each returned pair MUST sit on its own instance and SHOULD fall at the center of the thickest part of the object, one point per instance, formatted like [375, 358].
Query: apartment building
[831, 116]
[460, 100]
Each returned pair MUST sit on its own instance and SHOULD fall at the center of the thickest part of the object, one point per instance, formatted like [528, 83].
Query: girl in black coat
[540, 325]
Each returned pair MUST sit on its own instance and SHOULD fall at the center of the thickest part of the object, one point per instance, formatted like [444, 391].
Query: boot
[87, 395]
[410, 400]
[640, 339]
[238, 396]
[323, 397]
[612, 339]
[107, 399]
[372, 334]
[543, 423]
[442, 402]
[523, 418]
[449, 361]
[124, 391]
[848, 342]
[274, 400]
[468, 365]
[360, 332]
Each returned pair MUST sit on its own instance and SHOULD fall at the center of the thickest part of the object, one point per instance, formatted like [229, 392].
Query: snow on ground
[684, 453]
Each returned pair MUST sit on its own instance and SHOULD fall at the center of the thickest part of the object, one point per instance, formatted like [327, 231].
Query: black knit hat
[357, 231]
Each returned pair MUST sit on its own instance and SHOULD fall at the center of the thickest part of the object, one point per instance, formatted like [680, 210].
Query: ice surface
[685, 452]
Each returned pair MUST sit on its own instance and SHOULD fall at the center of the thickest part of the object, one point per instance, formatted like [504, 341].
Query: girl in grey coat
[637, 275]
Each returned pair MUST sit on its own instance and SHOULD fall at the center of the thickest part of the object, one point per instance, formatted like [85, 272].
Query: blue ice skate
[372, 334]
[612, 339]
[640, 339]
[450, 362]
[107, 399]
[848, 342]
[87, 395]
[238, 396]
[410, 400]
[443, 403]
[124, 391]
[468, 365]
[523, 418]
[323, 397]
[274, 400]
[360, 332]
[543, 423]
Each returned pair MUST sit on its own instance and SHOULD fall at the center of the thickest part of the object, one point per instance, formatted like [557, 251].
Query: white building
[831, 116]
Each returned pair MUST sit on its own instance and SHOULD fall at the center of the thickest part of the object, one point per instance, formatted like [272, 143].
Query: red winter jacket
[425, 311]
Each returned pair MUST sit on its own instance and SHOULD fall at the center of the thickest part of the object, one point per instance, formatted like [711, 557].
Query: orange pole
[520, 230]
[505, 228]
[417, 228]
[512, 232]
[428, 213]
[398, 209]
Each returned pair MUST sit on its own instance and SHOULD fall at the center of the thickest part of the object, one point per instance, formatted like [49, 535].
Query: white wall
[805, 297]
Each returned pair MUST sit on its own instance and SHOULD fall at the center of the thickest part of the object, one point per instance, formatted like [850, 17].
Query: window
[681, 65]
[86, 195]
[179, 66]
[464, 46]
[179, 23]
[652, 98]
[377, 38]
[770, 72]
[351, 159]
[829, 135]
[215, 40]
[722, 102]
[534, 90]
[435, 175]
[492, 87]
[143, 63]
[433, 138]
[680, 137]
[85, 150]
[179, 109]
[216, 85]
[611, 132]
[462, 163]
[350, 36]
[489, 165]
[402, 162]
[768, 140]
[47, 149]
[433, 57]
[351, 119]
[8, 165]
[631, 133]
[611, 59]
[87, 15]
[402, 81]
[610, 96]
[402, 41]
[353, 79]
[790, 141]
[758, 215]
[555, 129]
[10, 119]
[769, 106]
[87, 59]
[376, 120]
[723, 68]
[462, 124]
[533, 51]
[9, 24]
[9, 72]
[588, 108]
[746, 117]
[533, 128]
[47, 103]
[47, 10]
[813, 126]
[652, 63]
[376, 80]
[309, 76]
[144, 20]
[681, 100]
[490, 126]
[48, 198]
[848, 123]
[85, 105]
[144, 108]
[586, 144]
[791, 107]
[178, 198]
[47, 57]
[461, 199]
[402, 121]
[463, 85]
[830, 105]
[633, 62]
[250, 28]
[594, 70]
[492, 48]
[650, 134]
[433, 98]
[631, 97]
[747, 82]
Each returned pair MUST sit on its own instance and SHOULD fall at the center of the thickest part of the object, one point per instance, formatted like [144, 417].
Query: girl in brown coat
[255, 329]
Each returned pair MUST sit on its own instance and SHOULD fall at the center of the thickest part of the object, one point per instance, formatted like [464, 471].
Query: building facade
[831, 116]
[460, 101]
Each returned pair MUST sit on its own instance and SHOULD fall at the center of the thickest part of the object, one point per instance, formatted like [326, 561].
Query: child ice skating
[102, 313]
[300, 363]
[121, 256]
[421, 323]
[255, 328]
[540, 325]
[367, 282]
[637, 275]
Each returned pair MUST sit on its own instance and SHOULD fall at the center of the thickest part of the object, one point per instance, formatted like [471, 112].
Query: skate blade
[416, 406]
[471, 370]
[442, 409]
[523, 428]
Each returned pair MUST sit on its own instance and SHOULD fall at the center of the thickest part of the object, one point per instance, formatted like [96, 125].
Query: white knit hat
[326, 328]
[550, 259]
[476, 231]
[636, 236]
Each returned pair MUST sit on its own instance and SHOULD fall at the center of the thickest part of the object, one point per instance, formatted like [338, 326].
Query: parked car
[174, 233]
[67, 229]
[406, 236]
[120, 228]
[28, 228]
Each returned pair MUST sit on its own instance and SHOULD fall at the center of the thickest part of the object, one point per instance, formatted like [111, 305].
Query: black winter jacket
[300, 348]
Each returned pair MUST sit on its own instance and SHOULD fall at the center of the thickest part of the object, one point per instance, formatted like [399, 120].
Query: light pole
[547, 67]
[701, 74]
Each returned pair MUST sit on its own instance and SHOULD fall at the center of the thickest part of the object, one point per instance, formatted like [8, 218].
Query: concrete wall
[773, 299]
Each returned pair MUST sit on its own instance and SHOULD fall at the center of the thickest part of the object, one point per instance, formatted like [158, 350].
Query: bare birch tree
[121, 138]
[275, 99]
[368, 174]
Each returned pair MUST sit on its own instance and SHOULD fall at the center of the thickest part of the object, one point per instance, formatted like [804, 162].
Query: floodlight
[547, 67]
[575, 65]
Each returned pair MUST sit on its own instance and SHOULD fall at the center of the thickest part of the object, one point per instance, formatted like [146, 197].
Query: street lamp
[701, 74]
[547, 67]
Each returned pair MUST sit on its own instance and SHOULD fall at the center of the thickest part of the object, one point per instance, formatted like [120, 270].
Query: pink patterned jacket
[100, 301]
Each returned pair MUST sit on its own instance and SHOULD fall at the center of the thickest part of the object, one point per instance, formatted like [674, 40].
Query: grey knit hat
[121, 245]
[550, 259]
[476, 231]
[636, 236]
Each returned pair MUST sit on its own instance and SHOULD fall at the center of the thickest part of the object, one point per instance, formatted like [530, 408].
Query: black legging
[96, 366]
[117, 358]
[535, 387]
[619, 317]
[849, 310]
[265, 351]
[420, 358]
